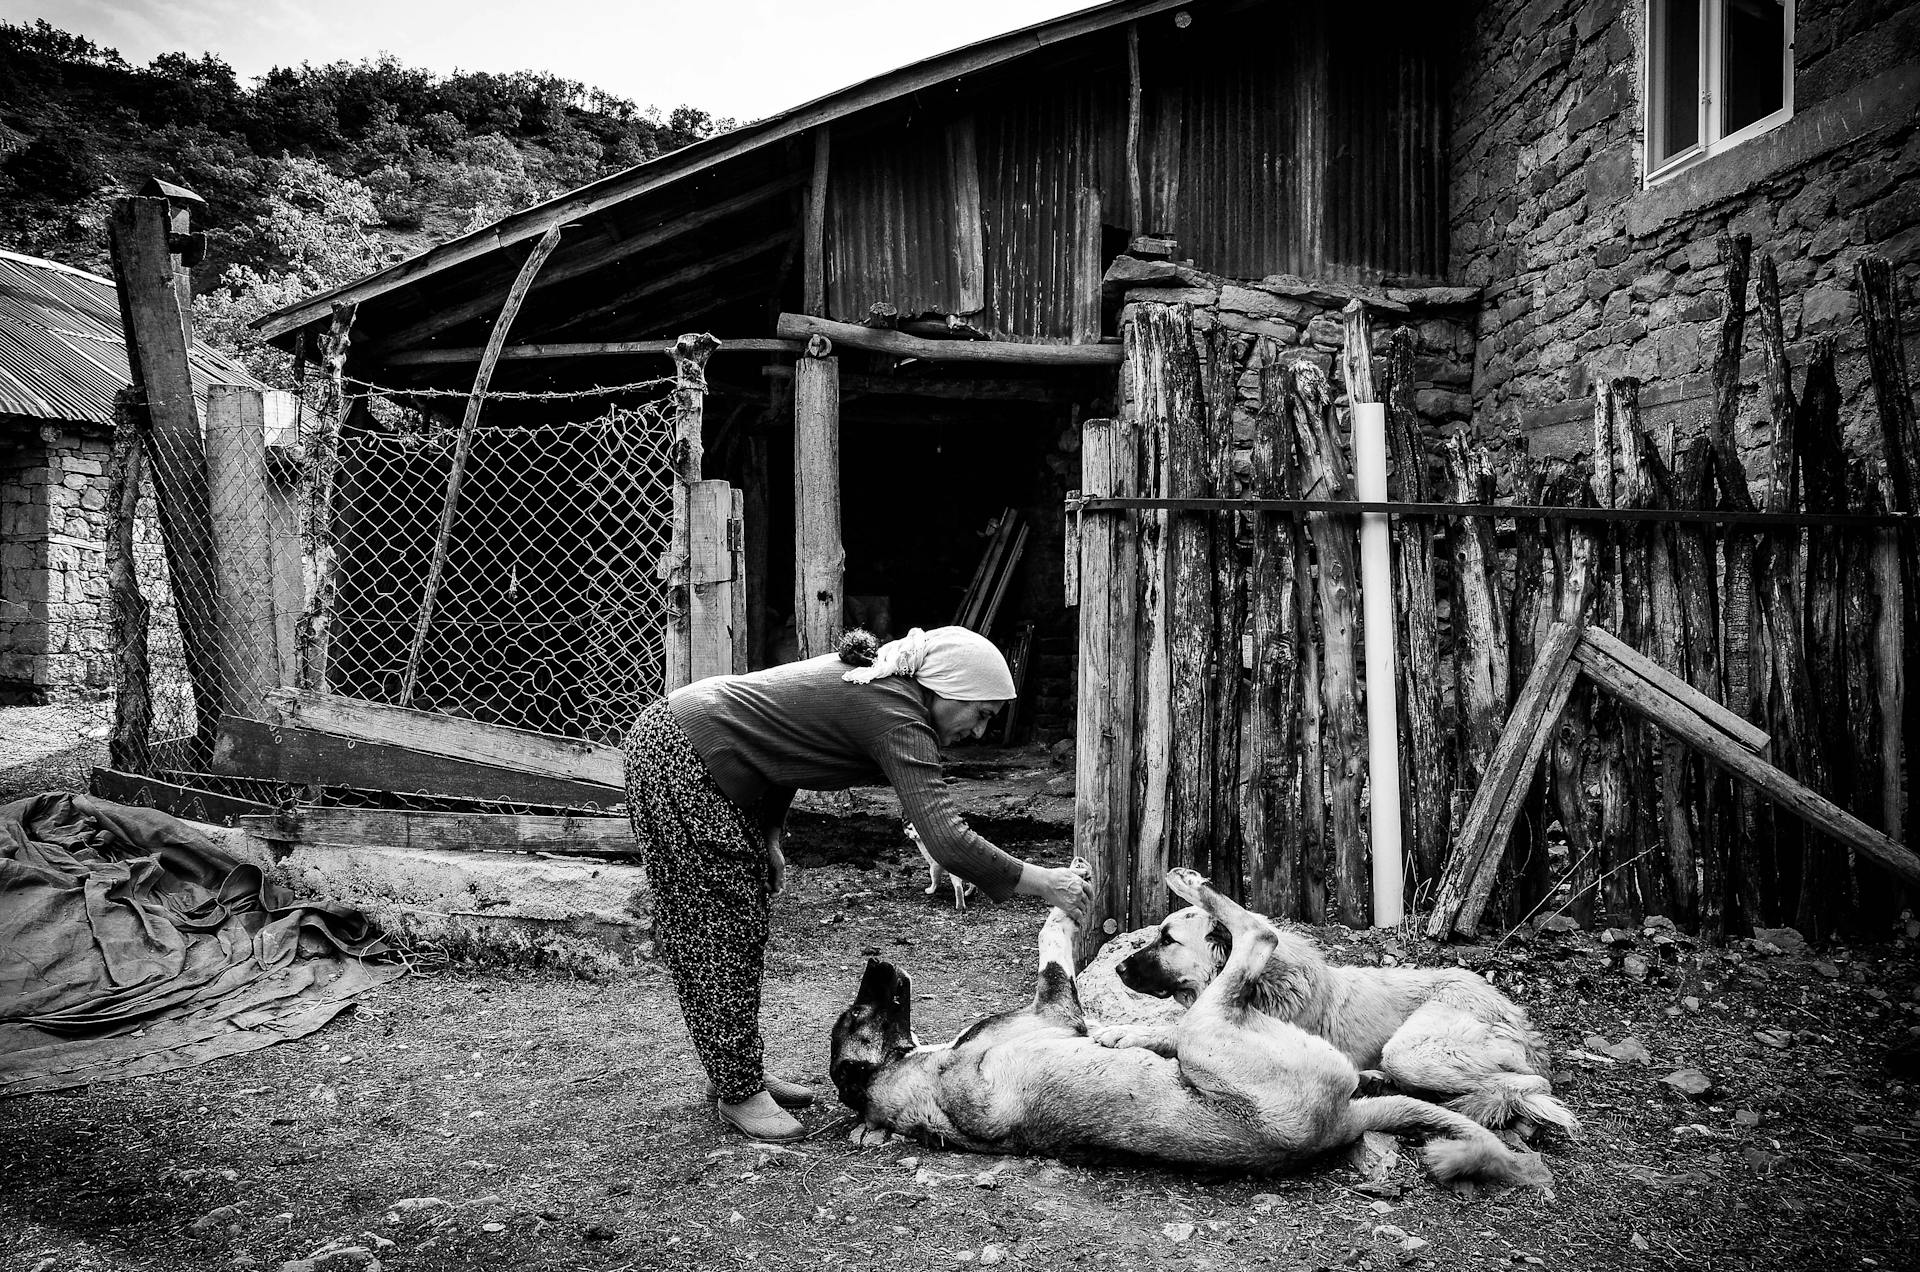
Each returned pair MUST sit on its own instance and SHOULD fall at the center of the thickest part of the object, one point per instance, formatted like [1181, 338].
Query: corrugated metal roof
[62, 354]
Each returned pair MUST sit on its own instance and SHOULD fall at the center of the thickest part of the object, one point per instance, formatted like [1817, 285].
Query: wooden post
[1667, 604]
[1087, 266]
[690, 354]
[1696, 579]
[1181, 417]
[463, 445]
[1834, 650]
[242, 544]
[741, 594]
[1426, 762]
[1328, 476]
[321, 475]
[1154, 391]
[1225, 355]
[1104, 733]
[969, 255]
[813, 267]
[1900, 443]
[129, 743]
[820, 562]
[1271, 820]
[157, 344]
[1136, 213]
[1480, 647]
[1575, 556]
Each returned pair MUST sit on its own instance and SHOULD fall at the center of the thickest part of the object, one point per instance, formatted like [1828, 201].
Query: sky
[743, 59]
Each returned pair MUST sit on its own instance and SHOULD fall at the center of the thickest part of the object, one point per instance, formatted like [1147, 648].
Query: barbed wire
[371, 389]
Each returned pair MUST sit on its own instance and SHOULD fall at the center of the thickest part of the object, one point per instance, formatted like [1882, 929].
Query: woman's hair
[859, 647]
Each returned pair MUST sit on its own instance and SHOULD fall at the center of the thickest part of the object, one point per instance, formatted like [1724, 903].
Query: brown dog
[1238, 1088]
[1443, 1032]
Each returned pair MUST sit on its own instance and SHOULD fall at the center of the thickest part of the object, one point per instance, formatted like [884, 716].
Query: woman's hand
[776, 862]
[1066, 888]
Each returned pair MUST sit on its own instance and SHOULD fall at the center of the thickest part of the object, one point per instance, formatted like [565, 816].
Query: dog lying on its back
[1443, 1032]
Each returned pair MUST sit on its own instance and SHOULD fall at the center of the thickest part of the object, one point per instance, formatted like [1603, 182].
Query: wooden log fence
[1714, 673]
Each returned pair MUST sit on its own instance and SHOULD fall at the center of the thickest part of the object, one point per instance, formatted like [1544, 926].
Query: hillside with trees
[312, 174]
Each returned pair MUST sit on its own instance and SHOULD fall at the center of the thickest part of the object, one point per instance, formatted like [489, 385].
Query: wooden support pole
[814, 244]
[1469, 876]
[1326, 474]
[1479, 622]
[1136, 211]
[738, 592]
[242, 543]
[129, 741]
[969, 253]
[901, 345]
[463, 445]
[156, 331]
[589, 349]
[320, 475]
[820, 559]
[1769, 781]
[1153, 395]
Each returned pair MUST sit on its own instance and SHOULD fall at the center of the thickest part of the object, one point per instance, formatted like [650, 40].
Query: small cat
[938, 874]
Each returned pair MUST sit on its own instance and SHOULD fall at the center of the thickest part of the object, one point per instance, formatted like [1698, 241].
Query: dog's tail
[1469, 1151]
[1507, 1096]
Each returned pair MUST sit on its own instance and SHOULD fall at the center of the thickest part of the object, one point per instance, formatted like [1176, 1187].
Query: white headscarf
[954, 662]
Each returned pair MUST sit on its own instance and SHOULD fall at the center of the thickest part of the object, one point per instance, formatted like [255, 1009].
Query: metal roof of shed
[63, 355]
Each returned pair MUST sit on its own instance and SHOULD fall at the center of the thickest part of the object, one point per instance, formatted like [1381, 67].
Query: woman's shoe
[758, 1117]
[788, 1095]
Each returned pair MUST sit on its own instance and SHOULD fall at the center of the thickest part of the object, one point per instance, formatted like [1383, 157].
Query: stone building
[62, 360]
[1600, 147]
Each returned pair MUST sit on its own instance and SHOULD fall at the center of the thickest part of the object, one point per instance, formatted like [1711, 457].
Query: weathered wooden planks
[583, 836]
[173, 798]
[1271, 819]
[820, 564]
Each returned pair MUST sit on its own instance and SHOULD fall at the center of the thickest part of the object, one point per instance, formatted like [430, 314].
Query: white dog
[938, 874]
[1443, 1032]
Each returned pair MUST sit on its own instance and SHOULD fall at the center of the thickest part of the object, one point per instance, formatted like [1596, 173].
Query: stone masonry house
[62, 360]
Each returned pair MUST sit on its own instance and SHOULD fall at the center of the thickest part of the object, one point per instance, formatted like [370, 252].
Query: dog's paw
[1374, 1082]
[1082, 867]
[864, 1136]
[1186, 884]
[1122, 1037]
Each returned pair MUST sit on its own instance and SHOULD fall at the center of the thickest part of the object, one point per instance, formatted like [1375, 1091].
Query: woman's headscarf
[954, 662]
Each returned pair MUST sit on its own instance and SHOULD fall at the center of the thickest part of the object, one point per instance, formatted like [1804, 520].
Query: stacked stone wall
[1587, 274]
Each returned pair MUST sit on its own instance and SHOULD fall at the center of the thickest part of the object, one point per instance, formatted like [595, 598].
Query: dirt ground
[470, 1118]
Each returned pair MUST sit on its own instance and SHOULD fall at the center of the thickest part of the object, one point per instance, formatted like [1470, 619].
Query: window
[1718, 73]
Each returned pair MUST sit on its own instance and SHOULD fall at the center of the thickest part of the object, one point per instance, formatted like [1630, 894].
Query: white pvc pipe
[1383, 699]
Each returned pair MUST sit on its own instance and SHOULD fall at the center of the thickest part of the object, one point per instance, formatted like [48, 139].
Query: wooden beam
[656, 347]
[521, 750]
[449, 832]
[798, 326]
[463, 445]
[157, 351]
[172, 798]
[1770, 782]
[129, 740]
[704, 155]
[308, 757]
[1136, 215]
[575, 264]
[820, 560]
[814, 243]
[995, 389]
[1736, 726]
[969, 257]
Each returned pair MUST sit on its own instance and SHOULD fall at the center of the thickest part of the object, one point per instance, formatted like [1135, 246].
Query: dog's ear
[1220, 941]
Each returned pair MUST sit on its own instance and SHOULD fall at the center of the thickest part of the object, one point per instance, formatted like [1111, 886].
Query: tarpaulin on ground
[131, 943]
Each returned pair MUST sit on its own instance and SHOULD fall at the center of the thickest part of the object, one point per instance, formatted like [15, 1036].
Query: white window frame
[1712, 74]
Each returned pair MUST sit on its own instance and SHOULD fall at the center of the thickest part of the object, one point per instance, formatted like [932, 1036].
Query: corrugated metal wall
[1271, 142]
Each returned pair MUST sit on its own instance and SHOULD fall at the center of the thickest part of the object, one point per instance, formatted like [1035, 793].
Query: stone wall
[1586, 274]
[53, 584]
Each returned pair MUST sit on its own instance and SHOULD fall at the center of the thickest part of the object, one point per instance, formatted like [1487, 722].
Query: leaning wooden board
[187, 802]
[458, 832]
[258, 748]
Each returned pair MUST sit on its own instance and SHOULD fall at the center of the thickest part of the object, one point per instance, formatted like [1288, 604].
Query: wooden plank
[1096, 727]
[320, 476]
[973, 601]
[1327, 474]
[518, 749]
[307, 757]
[814, 240]
[1769, 781]
[1747, 734]
[172, 798]
[969, 253]
[820, 558]
[578, 836]
[1694, 552]
[1088, 266]
[1007, 567]
[588, 349]
[463, 445]
[1468, 878]
[236, 441]
[737, 576]
[1148, 399]
[157, 349]
[901, 345]
[576, 262]
[710, 580]
[1136, 212]
[690, 354]
[1479, 621]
